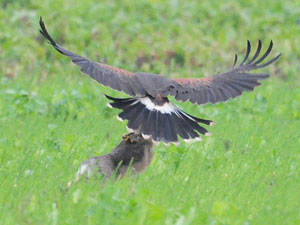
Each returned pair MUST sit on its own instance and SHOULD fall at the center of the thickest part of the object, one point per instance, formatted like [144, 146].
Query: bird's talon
[126, 137]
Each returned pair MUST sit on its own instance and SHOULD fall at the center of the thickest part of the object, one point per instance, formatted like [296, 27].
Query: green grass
[52, 117]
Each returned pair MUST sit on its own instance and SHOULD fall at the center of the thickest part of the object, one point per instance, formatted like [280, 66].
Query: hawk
[149, 111]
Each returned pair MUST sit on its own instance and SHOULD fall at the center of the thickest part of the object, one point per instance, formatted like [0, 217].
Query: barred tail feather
[161, 125]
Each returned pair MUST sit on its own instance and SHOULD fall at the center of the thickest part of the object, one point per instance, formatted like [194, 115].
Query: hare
[134, 150]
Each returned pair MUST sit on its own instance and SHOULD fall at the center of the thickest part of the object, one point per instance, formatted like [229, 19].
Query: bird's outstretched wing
[221, 87]
[113, 77]
[213, 89]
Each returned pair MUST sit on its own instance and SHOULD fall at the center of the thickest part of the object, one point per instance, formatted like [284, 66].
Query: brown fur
[133, 150]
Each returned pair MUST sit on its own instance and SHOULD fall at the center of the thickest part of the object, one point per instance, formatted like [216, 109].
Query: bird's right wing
[113, 77]
[221, 87]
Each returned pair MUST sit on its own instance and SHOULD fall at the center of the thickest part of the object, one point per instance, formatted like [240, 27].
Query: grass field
[52, 117]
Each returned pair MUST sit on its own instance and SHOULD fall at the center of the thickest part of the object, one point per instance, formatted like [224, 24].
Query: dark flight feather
[232, 83]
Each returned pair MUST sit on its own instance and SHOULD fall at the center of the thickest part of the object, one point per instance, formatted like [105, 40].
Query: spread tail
[162, 123]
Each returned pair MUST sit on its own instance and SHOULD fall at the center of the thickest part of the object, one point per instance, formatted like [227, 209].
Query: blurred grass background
[52, 117]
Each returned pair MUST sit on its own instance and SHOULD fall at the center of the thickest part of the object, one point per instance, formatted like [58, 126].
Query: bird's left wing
[113, 77]
[221, 87]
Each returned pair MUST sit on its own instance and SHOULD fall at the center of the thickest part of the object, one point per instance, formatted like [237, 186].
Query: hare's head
[133, 138]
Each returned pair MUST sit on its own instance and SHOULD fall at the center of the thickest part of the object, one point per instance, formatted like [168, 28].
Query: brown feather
[222, 87]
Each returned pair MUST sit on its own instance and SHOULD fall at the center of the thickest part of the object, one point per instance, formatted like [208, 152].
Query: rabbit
[134, 150]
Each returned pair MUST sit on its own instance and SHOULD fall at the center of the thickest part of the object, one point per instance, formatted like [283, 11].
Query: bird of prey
[149, 111]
